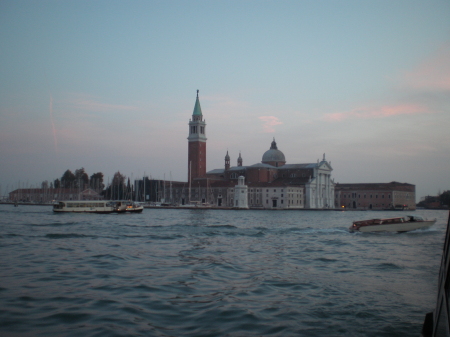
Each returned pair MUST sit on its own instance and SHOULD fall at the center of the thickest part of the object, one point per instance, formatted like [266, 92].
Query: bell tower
[196, 144]
[227, 161]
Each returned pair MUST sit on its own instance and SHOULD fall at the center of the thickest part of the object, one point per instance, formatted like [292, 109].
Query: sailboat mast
[144, 187]
[171, 187]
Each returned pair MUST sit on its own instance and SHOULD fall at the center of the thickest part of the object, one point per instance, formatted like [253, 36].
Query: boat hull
[137, 209]
[97, 211]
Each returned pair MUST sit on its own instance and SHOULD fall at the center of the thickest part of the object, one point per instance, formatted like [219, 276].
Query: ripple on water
[66, 235]
[173, 273]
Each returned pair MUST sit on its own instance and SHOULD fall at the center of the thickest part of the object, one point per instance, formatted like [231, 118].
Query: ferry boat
[84, 206]
[398, 224]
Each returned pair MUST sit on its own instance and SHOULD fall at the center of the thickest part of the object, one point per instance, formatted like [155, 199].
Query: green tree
[81, 178]
[57, 183]
[96, 181]
[68, 179]
[116, 190]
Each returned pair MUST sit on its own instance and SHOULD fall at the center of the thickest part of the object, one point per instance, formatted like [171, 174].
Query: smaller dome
[227, 157]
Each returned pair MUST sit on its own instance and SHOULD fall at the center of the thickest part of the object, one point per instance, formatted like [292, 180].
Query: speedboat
[398, 224]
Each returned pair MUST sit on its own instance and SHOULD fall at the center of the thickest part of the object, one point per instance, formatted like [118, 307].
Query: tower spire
[197, 114]
[239, 161]
[197, 143]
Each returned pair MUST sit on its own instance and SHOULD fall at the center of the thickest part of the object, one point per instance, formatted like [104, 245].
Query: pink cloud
[381, 112]
[269, 123]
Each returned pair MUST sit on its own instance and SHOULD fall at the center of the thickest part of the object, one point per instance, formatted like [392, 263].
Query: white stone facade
[319, 191]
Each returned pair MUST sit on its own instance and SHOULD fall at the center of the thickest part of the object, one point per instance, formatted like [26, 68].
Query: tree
[445, 198]
[68, 179]
[96, 181]
[115, 191]
[81, 178]
[57, 183]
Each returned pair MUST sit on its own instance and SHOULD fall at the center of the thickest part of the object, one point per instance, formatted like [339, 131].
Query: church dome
[273, 156]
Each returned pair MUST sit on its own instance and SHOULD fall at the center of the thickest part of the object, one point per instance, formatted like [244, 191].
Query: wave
[52, 224]
[68, 317]
[108, 256]
[221, 226]
[388, 266]
[66, 236]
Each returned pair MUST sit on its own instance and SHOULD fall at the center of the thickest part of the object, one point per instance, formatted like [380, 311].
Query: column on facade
[320, 194]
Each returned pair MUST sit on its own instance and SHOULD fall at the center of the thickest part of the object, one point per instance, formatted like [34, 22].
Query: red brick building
[48, 195]
[393, 195]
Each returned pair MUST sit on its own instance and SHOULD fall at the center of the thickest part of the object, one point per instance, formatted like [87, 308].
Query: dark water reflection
[213, 273]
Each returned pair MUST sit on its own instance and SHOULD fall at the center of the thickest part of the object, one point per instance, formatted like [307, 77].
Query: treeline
[119, 187]
[440, 201]
[80, 179]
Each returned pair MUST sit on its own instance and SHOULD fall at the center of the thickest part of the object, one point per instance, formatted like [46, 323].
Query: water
[213, 273]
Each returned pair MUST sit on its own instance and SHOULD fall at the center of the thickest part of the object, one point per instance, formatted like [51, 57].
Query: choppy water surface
[213, 273]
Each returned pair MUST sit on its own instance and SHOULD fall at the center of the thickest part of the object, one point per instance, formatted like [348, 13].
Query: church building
[271, 184]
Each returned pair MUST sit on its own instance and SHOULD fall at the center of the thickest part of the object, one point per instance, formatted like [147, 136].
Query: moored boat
[397, 224]
[134, 207]
[127, 207]
[84, 206]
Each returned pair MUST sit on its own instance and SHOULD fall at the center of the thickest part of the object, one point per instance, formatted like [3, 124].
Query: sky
[110, 86]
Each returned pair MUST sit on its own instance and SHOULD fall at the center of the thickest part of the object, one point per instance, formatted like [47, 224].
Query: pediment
[324, 165]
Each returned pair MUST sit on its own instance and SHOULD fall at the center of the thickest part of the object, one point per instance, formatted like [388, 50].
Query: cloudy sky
[111, 85]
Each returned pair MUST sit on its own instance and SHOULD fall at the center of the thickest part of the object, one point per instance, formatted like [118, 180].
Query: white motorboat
[398, 224]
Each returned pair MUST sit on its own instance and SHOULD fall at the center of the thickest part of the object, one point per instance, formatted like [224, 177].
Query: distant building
[271, 184]
[393, 195]
[432, 202]
[47, 195]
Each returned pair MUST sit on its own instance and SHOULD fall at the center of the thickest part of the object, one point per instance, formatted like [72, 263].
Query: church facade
[271, 184]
